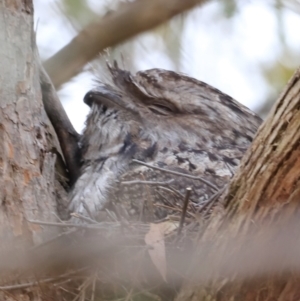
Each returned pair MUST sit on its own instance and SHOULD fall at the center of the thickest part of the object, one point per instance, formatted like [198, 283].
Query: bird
[151, 135]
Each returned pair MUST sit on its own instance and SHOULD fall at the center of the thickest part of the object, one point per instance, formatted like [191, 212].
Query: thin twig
[150, 295]
[85, 284]
[112, 215]
[62, 282]
[87, 209]
[177, 173]
[51, 223]
[163, 198]
[129, 295]
[230, 169]
[94, 286]
[51, 240]
[58, 218]
[35, 283]
[67, 291]
[173, 208]
[185, 205]
[209, 203]
[172, 190]
[9, 294]
[84, 218]
[147, 182]
[99, 226]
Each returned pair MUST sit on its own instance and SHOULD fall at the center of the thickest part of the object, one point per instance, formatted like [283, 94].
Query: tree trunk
[27, 140]
[265, 191]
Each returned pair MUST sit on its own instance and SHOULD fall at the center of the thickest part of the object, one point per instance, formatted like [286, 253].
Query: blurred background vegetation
[247, 48]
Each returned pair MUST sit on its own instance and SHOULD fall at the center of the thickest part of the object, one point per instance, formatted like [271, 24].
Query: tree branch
[129, 20]
[269, 172]
[67, 136]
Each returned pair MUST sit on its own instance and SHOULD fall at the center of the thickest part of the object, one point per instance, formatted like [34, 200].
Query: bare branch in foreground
[267, 249]
[129, 20]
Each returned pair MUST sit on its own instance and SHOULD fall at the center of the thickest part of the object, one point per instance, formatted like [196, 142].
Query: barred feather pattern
[164, 119]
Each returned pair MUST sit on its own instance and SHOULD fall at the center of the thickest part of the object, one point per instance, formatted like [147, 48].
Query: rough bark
[265, 191]
[28, 144]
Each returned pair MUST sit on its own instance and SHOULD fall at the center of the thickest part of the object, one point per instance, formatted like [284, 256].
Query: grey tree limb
[126, 22]
[67, 136]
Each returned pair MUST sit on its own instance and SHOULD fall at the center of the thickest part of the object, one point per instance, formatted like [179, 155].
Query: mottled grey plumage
[165, 119]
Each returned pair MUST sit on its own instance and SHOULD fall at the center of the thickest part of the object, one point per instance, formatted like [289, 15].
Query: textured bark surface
[265, 190]
[27, 166]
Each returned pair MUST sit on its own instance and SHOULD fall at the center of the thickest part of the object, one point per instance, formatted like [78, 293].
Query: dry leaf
[168, 227]
[155, 239]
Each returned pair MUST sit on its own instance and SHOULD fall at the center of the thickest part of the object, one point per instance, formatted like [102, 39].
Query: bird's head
[168, 108]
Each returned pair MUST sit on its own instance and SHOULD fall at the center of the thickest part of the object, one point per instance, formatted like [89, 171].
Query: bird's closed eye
[160, 109]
